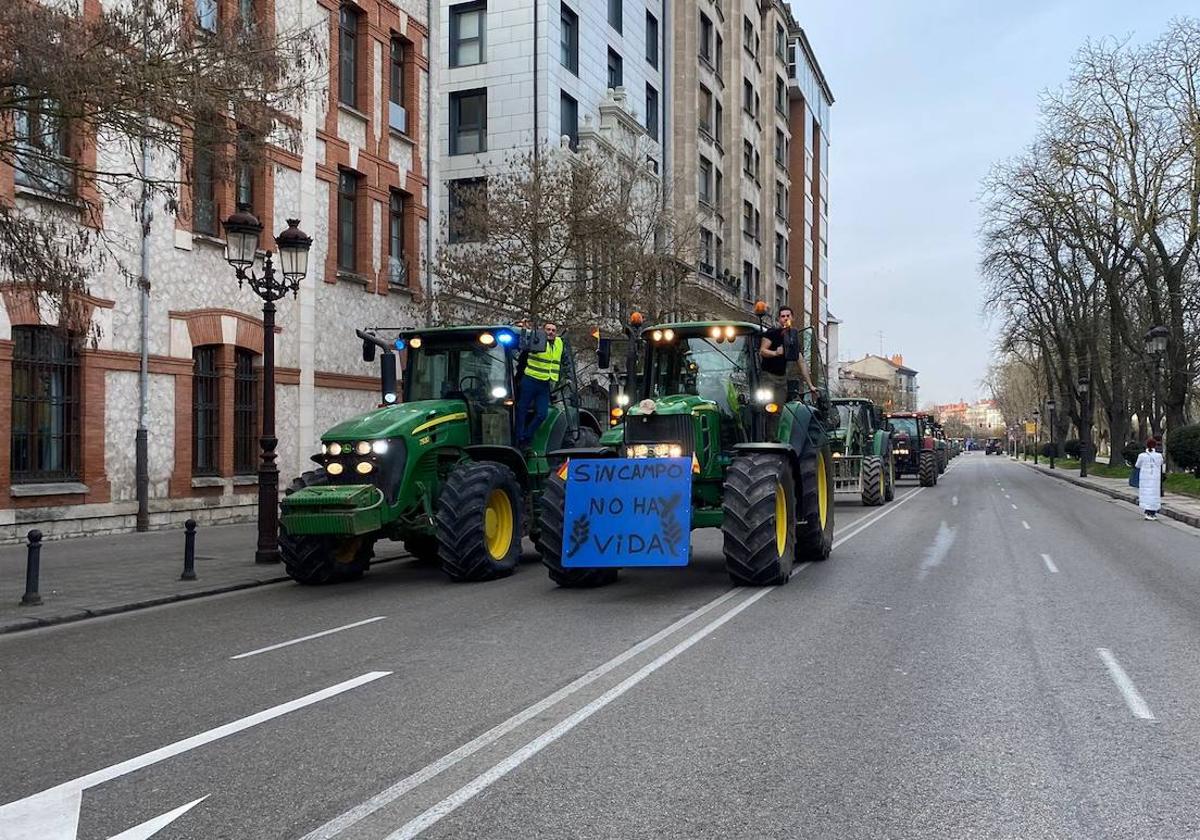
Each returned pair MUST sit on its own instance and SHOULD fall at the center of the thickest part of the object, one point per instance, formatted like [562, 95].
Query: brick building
[359, 185]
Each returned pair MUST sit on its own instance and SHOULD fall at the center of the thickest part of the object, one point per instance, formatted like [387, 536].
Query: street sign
[1031, 428]
[624, 512]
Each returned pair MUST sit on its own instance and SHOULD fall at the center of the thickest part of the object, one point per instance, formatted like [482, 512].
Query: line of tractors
[437, 468]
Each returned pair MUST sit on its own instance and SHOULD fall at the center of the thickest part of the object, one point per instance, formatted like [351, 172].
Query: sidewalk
[1183, 508]
[93, 576]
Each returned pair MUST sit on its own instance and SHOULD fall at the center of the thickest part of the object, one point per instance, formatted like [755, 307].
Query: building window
[347, 221]
[706, 38]
[706, 252]
[245, 412]
[719, 188]
[206, 411]
[747, 281]
[468, 199]
[781, 200]
[468, 122]
[568, 119]
[43, 152]
[467, 24]
[348, 57]
[720, 56]
[718, 121]
[652, 112]
[243, 184]
[747, 96]
[780, 96]
[651, 40]
[706, 180]
[781, 42]
[706, 110]
[206, 15]
[247, 16]
[748, 158]
[568, 40]
[780, 250]
[749, 37]
[397, 269]
[45, 406]
[780, 147]
[747, 218]
[204, 180]
[616, 70]
[615, 14]
[397, 113]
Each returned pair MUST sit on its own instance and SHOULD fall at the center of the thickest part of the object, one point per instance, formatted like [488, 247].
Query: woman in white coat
[1150, 469]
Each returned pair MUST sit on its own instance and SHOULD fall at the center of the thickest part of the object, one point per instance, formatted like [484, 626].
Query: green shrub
[1184, 448]
[1049, 450]
[1131, 451]
[1071, 447]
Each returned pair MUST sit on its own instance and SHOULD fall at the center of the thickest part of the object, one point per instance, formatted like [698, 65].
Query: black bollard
[189, 550]
[33, 570]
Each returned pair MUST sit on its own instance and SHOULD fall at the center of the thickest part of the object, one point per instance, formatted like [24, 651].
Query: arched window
[245, 412]
[206, 411]
[45, 406]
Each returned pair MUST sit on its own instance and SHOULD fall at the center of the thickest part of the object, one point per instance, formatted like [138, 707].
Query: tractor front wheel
[927, 472]
[550, 541]
[889, 492]
[759, 521]
[479, 522]
[874, 487]
[814, 535]
[316, 559]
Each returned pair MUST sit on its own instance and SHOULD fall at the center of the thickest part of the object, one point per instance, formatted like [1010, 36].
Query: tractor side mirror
[387, 377]
[368, 350]
[604, 353]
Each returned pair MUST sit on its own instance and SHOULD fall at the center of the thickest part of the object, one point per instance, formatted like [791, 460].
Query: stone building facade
[69, 407]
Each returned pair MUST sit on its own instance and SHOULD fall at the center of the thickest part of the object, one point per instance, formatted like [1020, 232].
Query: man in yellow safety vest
[541, 375]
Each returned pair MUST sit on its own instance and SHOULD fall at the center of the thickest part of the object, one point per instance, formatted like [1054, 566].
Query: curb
[22, 623]
[1178, 515]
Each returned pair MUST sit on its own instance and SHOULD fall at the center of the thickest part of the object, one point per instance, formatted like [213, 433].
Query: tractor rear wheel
[814, 533]
[889, 492]
[550, 541]
[479, 522]
[759, 522]
[873, 481]
[424, 547]
[927, 473]
[316, 559]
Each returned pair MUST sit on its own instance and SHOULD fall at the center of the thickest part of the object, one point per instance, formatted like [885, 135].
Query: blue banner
[627, 512]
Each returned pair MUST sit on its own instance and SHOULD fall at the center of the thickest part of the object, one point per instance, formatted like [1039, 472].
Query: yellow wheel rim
[822, 490]
[498, 524]
[781, 519]
[882, 484]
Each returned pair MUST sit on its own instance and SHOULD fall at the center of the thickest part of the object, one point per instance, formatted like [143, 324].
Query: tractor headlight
[763, 395]
[335, 449]
[675, 451]
[364, 467]
[657, 335]
[379, 447]
[715, 332]
[324, 449]
[730, 332]
[363, 447]
[334, 469]
[668, 335]
[389, 398]
[415, 342]
[622, 400]
[499, 392]
[640, 451]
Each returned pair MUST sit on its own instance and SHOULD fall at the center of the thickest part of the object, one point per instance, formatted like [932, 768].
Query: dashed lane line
[1125, 685]
[1025, 525]
[309, 637]
[1049, 563]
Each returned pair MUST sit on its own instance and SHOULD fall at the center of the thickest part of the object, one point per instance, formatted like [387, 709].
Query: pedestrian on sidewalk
[1150, 471]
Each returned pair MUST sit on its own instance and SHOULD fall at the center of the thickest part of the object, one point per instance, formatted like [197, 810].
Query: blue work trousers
[536, 393]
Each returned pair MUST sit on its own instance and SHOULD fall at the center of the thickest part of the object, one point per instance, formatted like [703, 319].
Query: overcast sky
[929, 94]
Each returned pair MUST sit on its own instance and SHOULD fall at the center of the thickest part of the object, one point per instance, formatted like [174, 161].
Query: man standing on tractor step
[783, 364]
[540, 377]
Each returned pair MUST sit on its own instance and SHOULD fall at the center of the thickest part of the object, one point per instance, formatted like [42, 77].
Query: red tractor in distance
[913, 446]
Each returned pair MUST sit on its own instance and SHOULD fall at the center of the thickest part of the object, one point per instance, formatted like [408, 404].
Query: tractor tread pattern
[748, 528]
[814, 543]
[308, 558]
[872, 478]
[460, 522]
[552, 515]
[927, 472]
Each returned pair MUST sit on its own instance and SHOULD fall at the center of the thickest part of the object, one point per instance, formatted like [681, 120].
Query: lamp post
[1037, 434]
[1051, 405]
[1083, 387]
[1156, 347]
[242, 231]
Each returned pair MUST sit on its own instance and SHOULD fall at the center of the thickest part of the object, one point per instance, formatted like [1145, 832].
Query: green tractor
[761, 465]
[435, 466]
[862, 452]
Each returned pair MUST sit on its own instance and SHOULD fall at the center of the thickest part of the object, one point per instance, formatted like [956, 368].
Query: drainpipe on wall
[141, 441]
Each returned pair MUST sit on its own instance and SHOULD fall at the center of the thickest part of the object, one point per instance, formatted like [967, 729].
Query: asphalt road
[1000, 656]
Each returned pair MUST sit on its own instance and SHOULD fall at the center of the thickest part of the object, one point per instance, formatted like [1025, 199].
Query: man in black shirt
[783, 364]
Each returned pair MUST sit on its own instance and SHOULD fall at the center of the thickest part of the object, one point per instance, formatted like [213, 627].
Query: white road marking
[360, 812]
[1050, 563]
[954, 502]
[311, 636]
[1128, 690]
[53, 814]
[1014, 507]
[153, 826]
[1025, 524]
[938, 551]
[467, 792]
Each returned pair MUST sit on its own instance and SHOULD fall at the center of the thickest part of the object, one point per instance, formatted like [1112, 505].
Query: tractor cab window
[465, 367]
[905, 426]
[714, 370]
[844, 412]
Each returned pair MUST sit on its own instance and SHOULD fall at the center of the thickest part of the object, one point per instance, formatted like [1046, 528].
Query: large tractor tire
[479, 522]
[889, 492]
[928, 471]
[424, 547]
[759, 522]
[317, 559]
[814, 533]
[550, 541]
[941, 461]
[873, 481]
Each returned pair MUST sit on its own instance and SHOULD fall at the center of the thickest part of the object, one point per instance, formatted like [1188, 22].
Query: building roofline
[809, 54]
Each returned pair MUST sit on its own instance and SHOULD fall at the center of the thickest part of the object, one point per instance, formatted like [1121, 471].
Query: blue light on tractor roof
[505, 337]
[399, 343]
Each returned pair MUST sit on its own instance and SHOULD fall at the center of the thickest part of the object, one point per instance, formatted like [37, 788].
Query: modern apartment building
[740, 70]
[515, 73]
[69, 408]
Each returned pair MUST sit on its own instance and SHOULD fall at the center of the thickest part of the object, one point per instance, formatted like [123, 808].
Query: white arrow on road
[53, 814]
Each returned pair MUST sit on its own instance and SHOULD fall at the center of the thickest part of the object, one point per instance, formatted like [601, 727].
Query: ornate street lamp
[1156, 339]
[1051, 405]
[242, 231]
[1083, 387]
